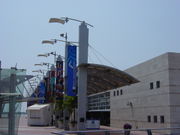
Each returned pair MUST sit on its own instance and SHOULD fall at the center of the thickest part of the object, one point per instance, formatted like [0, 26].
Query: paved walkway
[24, 129]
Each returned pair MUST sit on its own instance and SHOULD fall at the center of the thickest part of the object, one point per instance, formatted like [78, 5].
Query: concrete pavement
[24, 129]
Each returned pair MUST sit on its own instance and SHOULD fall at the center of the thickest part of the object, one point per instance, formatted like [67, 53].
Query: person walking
[127, 128]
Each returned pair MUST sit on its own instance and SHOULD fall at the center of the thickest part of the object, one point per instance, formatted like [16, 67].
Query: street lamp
[44, 64]
[64, 20]
[47, 42]
[65, 84]
[43, 55]
[53, 41]
[48, 54]
[39, 71]
[37, 64]
[82, 72]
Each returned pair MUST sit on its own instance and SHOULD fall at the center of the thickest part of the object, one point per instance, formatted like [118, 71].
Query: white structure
[154, 102]
[39, 114]
[92, 124]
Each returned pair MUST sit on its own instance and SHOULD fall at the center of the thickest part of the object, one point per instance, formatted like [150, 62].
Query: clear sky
[126, 32]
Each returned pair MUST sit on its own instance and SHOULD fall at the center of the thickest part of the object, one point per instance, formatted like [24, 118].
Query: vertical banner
[59, 79]
[46, 80]
[41, 88]
[71, 70]
[52, 82]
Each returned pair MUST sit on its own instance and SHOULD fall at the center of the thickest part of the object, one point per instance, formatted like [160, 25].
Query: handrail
[106, 132]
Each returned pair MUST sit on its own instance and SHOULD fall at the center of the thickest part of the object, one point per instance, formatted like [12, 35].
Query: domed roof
[101, 78]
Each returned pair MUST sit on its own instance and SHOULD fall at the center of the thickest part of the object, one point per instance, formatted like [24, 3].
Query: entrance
[103, 116]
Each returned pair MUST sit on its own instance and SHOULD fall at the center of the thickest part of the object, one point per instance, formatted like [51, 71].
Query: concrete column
[82, 75]
[11, 127]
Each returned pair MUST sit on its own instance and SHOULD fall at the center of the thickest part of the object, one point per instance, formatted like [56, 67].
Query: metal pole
[0, 73]
[82, 75]
[11, 127]
[1, 105]
[66, 116]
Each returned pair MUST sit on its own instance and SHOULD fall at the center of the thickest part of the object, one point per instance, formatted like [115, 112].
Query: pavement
[24, 129]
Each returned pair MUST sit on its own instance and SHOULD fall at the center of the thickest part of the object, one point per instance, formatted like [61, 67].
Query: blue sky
[126, 32]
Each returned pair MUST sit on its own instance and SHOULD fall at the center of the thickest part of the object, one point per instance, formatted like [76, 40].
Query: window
[149, 118]
[117, 92]
[151, 85]
[157, 84]
[162, 119]
[114, 93]
[155, 119]
[121, 92]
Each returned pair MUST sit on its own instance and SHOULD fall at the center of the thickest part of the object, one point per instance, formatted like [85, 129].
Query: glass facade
[99, 102]
[10, 110]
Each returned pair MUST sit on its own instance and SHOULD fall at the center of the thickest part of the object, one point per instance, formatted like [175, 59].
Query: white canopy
[37, 106]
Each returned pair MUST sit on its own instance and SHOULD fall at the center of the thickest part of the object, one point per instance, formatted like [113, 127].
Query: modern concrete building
[154, 102]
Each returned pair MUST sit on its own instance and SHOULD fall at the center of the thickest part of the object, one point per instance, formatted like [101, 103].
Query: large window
[100, 101]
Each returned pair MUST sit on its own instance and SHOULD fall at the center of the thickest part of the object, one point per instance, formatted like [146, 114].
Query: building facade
[154, 102]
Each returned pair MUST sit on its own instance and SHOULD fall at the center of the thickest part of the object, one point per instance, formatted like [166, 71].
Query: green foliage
[59, 105]
[70, 103]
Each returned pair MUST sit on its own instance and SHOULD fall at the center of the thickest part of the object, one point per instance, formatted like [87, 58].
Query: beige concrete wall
[174, 79]
[163, 101]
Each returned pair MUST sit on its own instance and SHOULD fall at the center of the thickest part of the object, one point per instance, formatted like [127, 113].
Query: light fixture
[57, 20]
[47, 42]
[44, 55]
[37, 64]
[39, 71]
[64, 20]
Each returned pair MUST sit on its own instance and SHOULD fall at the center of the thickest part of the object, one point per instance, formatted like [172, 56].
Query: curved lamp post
[52, 42]
[64, 20]
[44, 64]
[82, 72]
[48, 54]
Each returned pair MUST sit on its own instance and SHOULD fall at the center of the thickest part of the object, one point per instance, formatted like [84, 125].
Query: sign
[71, 70]
[41, 89]
[59, 80]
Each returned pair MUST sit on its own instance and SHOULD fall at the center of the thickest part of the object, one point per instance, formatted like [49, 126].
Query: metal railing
[147, 131]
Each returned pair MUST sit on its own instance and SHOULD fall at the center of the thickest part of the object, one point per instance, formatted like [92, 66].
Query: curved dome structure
[101, 78]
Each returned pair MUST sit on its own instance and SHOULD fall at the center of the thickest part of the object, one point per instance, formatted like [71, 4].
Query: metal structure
[101, 78]
[11, 95]
[146, 131]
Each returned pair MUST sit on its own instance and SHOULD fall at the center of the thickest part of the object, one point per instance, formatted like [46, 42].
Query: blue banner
[71, 70]
[41, 91]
